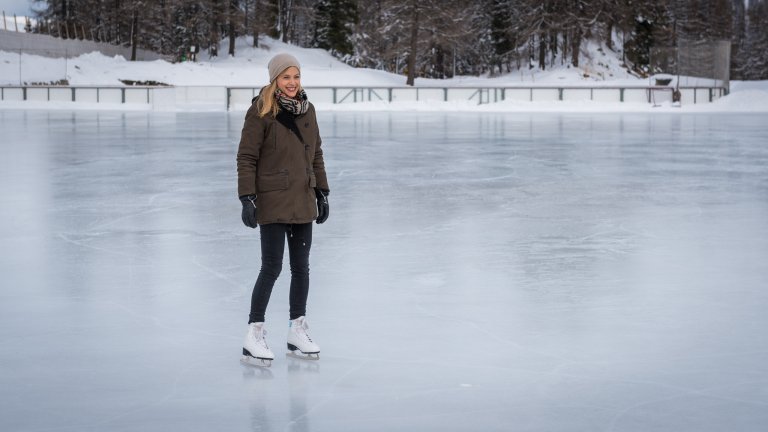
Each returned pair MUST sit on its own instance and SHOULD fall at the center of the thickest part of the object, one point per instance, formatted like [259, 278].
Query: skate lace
[302, 330]
[261, 338]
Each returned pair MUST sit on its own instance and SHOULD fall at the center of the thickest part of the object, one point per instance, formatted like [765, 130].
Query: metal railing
[240, 97]
[94, 94]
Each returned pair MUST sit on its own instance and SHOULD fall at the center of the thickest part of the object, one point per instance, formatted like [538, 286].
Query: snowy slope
[319, 68]
[247, 68]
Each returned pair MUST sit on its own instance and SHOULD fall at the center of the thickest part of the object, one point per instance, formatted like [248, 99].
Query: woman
[283, 187]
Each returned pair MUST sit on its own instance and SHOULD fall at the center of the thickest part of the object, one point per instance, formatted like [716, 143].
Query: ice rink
[478, 272]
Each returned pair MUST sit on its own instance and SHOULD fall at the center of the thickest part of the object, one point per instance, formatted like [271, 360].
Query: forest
[425, 38]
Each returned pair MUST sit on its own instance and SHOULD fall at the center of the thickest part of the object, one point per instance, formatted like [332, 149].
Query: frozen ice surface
[549, 272]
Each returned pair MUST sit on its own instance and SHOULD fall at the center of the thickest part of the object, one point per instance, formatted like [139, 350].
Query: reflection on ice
[478, 272]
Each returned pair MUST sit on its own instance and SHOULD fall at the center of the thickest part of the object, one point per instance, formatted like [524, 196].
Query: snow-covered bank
[246, 69]
[319, 68]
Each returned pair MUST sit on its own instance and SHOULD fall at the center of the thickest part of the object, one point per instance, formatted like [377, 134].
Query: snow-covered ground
[600, 67]
[248, 68]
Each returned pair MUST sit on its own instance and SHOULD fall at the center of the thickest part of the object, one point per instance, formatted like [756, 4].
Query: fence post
[15, 23]
[5, 24]
[229, 96]
[621, 95]
[334, 95]
[73, 95]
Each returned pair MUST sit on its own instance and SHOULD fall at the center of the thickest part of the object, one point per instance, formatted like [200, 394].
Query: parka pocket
[273, 181]
[312, 179]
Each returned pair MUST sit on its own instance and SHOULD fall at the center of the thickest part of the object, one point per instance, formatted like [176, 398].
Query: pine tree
[738, 39]
[756, 64]
[652, 28]
[334, 27]
[501, 37]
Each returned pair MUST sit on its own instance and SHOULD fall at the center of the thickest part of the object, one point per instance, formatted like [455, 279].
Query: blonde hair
[267, 103]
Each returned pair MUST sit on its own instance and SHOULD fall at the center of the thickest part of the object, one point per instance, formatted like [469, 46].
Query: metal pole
[15, 23]
[454, 63]
[20, 66]
[5, 24]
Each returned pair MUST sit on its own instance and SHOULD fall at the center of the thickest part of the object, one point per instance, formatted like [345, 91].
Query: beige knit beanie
[280, 63]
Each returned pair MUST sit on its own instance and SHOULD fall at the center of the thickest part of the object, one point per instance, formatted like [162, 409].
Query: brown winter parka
[280, 160]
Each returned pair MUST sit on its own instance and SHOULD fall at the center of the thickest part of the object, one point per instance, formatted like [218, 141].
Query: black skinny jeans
[272, 247]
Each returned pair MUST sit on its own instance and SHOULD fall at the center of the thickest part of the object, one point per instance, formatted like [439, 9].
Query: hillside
[248, 68]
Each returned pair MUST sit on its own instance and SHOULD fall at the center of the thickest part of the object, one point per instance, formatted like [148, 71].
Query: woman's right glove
[250, 211]
[322, 205]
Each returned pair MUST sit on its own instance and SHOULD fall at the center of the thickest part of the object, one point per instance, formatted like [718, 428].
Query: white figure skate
[300, 345]
[255, 349]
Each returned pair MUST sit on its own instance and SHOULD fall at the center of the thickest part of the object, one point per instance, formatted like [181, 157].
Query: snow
[600, 68]
[248, 69]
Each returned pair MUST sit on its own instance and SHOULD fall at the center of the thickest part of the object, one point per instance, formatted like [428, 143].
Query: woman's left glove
[250, 212]
[322, 205]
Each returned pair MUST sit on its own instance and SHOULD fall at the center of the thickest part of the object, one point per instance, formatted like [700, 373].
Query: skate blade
[303, 356]
[257, 362]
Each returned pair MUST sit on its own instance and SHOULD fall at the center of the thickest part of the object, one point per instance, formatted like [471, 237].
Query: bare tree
[233, 17]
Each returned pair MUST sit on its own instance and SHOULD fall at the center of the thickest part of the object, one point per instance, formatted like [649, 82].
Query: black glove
[322, 205]
[250, 211]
